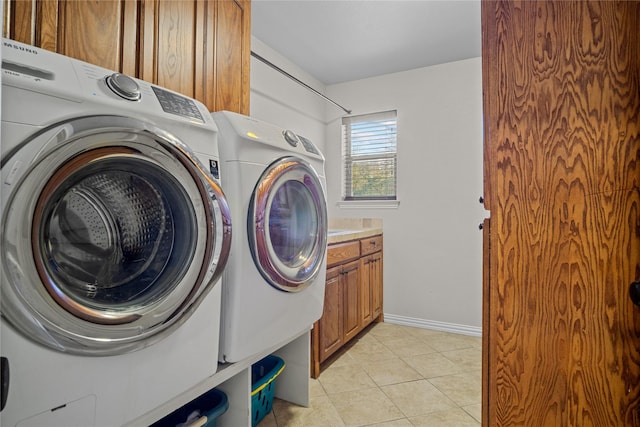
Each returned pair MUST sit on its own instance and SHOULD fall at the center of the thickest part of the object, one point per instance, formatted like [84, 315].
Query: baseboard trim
[455, 328]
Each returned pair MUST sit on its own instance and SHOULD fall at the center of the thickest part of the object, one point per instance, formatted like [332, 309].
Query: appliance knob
[124, 86]
[290, 137]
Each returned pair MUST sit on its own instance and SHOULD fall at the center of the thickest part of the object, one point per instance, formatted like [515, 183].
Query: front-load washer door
[112, 234]
[287, 224]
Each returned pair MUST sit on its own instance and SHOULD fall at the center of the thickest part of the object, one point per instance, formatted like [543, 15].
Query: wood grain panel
[604, 369]
[351, 304]
[330, 324]
[96, 37]
[175, 46]
[19, 20]
[343, 252]
[46, 25]
[377, 311]
[232, 51]
[370, 245]
[561, 99]
[366, 273]
[171, 43]
[99, 32]
[129, 62]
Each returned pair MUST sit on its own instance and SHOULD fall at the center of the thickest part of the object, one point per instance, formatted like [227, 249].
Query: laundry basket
[263, 379]
[200, 412]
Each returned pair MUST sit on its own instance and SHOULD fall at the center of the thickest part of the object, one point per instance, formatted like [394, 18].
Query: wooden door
[561, 87]
[330, 324]
[351, 288]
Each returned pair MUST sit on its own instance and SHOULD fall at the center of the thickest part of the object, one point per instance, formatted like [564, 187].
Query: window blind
[369, 153]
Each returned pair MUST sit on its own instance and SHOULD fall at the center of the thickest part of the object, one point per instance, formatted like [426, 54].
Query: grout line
[372, 336]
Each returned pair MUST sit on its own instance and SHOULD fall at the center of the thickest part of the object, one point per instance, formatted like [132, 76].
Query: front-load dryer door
[287, 224]
[112, 235]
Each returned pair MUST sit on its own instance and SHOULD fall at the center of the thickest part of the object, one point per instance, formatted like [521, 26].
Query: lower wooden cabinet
[371, 287]
[350, 282]
[330, 324]
[366, 275]
[353, 296]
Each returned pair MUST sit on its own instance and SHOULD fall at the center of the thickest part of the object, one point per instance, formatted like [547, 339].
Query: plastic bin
[202, 411]
[263, 376]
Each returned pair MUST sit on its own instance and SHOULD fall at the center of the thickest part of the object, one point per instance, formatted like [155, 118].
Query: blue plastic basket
[211, 405]
[263, 376]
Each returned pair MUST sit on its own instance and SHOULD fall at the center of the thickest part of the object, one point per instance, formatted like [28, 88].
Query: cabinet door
[330, 324]
[230, 90]
[200, 49]
[351, 289]
[173, 48]
[99, 32]
[365, 290]
[375, 271]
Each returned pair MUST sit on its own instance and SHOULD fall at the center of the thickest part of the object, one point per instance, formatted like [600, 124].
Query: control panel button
[290, 137]
[176, 104]
[308, 145]
[124, 86]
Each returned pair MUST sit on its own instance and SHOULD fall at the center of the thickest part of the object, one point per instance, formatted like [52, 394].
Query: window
[369, 152]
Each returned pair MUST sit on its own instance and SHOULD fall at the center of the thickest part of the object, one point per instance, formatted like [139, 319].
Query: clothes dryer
[275, 278]
[114, 238]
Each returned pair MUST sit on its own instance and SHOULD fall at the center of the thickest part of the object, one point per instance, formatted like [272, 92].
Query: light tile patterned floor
[393, 376]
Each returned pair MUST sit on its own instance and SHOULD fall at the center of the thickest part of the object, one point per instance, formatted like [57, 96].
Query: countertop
[339, 236]
[345, 229]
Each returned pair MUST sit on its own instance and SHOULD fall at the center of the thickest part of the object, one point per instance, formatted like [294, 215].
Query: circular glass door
[116, 233]
[288, 224]
[125, 235]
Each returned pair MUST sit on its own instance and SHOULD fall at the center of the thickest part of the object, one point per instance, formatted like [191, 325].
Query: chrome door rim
[35, 312]
[277, 274]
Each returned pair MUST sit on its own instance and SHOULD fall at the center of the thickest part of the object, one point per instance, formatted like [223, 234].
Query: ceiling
[343, 40]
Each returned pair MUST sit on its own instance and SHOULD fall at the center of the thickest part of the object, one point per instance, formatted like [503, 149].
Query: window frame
[348, 160]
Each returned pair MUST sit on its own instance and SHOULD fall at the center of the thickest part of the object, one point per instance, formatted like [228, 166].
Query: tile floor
[392, 375]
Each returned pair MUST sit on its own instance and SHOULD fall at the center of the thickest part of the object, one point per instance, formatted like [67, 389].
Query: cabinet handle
[4, 373]
[345, 271]
[634, 293]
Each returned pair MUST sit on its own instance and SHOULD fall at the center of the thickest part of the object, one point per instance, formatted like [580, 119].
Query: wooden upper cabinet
[171, 40]
[233, 55]
[98, 32]
[198, 48]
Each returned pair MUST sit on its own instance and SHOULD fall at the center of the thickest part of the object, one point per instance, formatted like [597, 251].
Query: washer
[114, 239]
[274, 280]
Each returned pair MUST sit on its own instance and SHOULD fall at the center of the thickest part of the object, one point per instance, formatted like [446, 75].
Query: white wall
[432, 244]
[279, 100]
